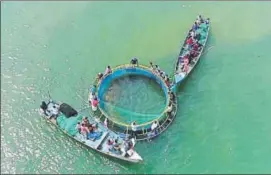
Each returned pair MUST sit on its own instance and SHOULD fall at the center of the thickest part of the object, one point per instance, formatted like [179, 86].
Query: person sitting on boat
[162, 74]
[192, 33]
[190, 57]
[94, 135]
[100, 76]
[207, 21]
[92, 93]
[90, 129]
[186, 66]
[94, 126]
[105, 122]
[108, 70]
[199, 20]
[169, 108]
[154, 126]
[197, 37]
[190, 42]
[43, 107]
[93, 89]
[185, 57]
[134, 129]
[134, 61]
[94, 104]
[180, 59]
[194, 54]
[172, 96]
[78, 127]
[196, 46]
[151, 65]
[117, 145]
[110, 143]
[166, 77]
[167, 81]
[85, 121]
[195, 26]
[84, 130]
[157, 68]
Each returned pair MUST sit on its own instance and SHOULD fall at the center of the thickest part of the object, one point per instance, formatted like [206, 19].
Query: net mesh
[126, 116]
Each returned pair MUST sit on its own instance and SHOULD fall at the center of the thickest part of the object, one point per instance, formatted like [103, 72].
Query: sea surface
[57, 48]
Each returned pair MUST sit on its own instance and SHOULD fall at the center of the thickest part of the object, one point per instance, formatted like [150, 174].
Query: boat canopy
[67, 110]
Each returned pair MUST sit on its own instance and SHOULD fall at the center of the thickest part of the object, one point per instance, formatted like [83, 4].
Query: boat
[181, 74]
[102, 139]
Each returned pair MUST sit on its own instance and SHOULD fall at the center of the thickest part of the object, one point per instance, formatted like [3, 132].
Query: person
[85, 121]
[190, 56]
[186, 66]
[195, 26]
[154, 125]
[99, 76]
[134, 61]
[92, 93]
[108, 70]
[110, 143]
[157, 68]
[163, 74]
[43, 106]
[189, 42]
[84, 130]
[105, 123]
[94, 104]
[166, 77]
[199, 20]
[117, 145]
[207, 21]
[78, 127]
[180, 59]
[90, 129]
[197, 37]
[194, 54]
[167, 81]
[192, 33]
[169, 109]
[151, 65]
[196, 46]
[134, 129]
[172, 96]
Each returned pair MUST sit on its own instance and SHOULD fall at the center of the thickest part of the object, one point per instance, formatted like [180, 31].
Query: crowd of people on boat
[124, 148]
[88, 130]
[192, 47]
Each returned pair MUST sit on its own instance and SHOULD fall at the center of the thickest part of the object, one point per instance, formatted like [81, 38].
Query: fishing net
[126, 116]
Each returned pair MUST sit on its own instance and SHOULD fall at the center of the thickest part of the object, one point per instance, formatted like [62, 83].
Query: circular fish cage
[143, 129]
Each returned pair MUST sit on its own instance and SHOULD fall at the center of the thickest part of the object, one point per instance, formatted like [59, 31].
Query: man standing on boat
[134, 61]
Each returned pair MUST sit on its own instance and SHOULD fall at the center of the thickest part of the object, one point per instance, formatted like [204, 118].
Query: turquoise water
[223, 122]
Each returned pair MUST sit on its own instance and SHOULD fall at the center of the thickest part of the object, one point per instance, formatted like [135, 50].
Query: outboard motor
[43, 107]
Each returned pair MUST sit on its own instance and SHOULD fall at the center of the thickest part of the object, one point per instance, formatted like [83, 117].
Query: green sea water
[224, 116]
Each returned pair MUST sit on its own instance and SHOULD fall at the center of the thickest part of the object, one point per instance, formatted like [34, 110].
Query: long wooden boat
[101, 140]
[179, 74]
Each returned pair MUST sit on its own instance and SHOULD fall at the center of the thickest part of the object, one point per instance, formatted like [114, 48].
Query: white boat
[101, 139]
